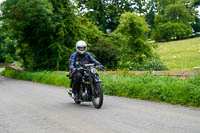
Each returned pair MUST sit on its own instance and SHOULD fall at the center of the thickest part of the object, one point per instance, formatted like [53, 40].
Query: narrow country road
[27, 107]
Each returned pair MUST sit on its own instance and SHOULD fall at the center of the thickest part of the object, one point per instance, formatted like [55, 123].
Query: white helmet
[81, 47]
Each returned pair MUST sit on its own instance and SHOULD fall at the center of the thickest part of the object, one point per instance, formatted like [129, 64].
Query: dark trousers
[77, 77]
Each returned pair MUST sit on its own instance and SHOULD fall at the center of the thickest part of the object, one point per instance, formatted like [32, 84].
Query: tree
[171, 30]
[134, 29]
[8, 47]
[196, 3]
[179, 14]
[196, 24]
[151, 13]
[106, 52]
[95, 11]
[106, 13]
[46, 31]
[31, 25]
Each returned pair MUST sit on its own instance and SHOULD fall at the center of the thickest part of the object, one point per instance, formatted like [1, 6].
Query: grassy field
[180, 55]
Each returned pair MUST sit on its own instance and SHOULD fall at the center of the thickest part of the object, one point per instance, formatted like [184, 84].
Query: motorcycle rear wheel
[97, 97]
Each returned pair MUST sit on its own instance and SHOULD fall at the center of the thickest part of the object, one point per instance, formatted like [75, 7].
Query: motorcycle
[90, 87]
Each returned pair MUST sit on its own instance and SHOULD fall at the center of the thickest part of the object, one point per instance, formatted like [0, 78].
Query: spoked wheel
[97, 98]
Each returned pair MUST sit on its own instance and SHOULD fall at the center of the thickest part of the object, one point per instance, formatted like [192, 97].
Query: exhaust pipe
[70, 93]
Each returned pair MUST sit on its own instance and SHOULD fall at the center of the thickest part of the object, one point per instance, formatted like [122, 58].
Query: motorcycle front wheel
[97, 97]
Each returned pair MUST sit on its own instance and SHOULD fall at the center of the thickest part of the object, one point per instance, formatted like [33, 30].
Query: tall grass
[53, 78]
[146, 86]
[155, 88]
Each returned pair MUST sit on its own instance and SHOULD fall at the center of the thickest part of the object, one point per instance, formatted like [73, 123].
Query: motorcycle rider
[78, 59]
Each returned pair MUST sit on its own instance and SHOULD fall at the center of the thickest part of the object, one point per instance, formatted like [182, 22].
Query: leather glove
[74, 70]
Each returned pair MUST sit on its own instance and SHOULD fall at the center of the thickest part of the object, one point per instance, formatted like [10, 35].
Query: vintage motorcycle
[90, 88]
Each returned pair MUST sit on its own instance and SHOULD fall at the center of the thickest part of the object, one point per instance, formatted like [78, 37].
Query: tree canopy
[46, 31]
[176, 15]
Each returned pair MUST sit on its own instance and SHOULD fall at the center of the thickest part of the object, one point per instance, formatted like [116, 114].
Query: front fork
[92, 82]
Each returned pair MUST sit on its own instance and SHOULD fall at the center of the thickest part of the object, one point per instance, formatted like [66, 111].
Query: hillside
[180, 55]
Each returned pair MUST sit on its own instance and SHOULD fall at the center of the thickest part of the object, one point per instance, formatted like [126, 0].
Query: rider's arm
[94, 60]
[71, 61]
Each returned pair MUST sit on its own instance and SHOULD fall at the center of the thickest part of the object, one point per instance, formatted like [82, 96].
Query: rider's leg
[76, 82]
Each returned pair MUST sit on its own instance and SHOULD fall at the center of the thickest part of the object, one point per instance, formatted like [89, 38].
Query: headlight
[94, 70]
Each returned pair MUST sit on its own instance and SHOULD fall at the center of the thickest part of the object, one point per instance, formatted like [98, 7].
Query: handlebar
[100, 68]
[90, 65]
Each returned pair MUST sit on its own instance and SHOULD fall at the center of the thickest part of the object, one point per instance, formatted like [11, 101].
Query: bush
[152, 63]
[171, 30]
[133, 30]
[106, 53]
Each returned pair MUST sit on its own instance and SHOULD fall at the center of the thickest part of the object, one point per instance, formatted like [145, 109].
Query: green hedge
[147, 86]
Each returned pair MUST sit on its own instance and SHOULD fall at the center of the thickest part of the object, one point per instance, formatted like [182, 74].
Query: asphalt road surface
[27, 107]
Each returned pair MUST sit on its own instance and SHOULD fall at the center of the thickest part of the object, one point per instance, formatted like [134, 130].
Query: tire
[97, 97]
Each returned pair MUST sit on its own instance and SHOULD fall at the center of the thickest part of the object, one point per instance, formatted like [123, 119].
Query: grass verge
[146, 86]
[155, 88]
[52, 78]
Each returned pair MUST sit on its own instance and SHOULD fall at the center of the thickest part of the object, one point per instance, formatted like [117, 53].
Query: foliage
[151, 10]
[106, 52]
[106, 13]
[46, 31]
[147, 86]
[88, 31]
[31, 25]
[130, 39]
[152, 63]
[174, 19]
[171, 30]
[196, 3]
[134, 30]
[195, 80]
[8, 47]
[196, 24]
[96, 10]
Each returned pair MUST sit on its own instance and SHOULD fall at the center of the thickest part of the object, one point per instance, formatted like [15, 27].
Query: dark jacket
[77, 60]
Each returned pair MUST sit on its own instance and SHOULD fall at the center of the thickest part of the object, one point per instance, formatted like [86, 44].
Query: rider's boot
[75, 96]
